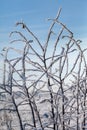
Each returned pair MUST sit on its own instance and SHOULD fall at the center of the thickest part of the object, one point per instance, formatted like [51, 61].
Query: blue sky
[35, 12]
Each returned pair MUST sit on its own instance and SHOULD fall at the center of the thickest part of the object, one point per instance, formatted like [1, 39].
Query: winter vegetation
[44, 85]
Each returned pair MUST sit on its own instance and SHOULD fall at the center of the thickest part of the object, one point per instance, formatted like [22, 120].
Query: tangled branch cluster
[43, 89]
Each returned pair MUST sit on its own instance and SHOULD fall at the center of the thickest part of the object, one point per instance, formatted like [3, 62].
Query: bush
[45, 84]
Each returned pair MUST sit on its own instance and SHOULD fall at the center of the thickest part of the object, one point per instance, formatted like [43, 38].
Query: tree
[45, 91]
